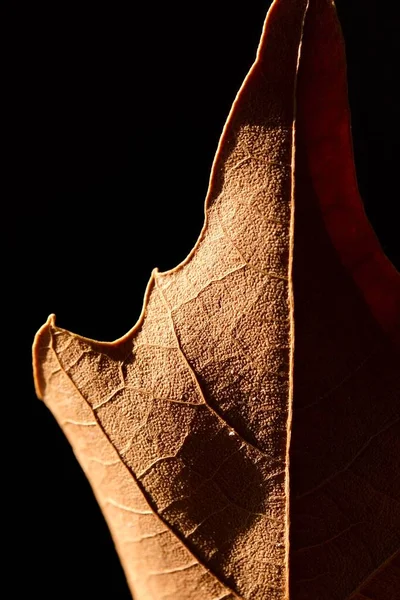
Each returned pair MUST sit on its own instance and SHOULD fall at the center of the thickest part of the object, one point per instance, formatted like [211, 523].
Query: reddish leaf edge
[324, 123]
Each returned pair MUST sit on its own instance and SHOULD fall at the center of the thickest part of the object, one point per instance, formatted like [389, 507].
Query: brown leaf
[275, 344]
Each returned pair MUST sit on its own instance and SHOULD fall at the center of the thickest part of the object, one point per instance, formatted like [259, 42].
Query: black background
[112, 107]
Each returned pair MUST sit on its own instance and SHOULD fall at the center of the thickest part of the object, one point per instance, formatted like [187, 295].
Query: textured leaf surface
[260, 386]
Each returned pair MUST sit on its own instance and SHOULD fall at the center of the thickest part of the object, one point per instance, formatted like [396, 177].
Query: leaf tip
[51, 320]
[41, 346]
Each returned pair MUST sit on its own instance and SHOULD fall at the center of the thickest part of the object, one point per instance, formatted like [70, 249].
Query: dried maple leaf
[263, 369]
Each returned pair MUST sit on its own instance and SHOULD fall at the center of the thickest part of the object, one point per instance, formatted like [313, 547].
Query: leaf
[249, 422]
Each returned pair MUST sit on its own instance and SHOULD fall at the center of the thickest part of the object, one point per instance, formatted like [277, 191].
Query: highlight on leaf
[242, 439]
